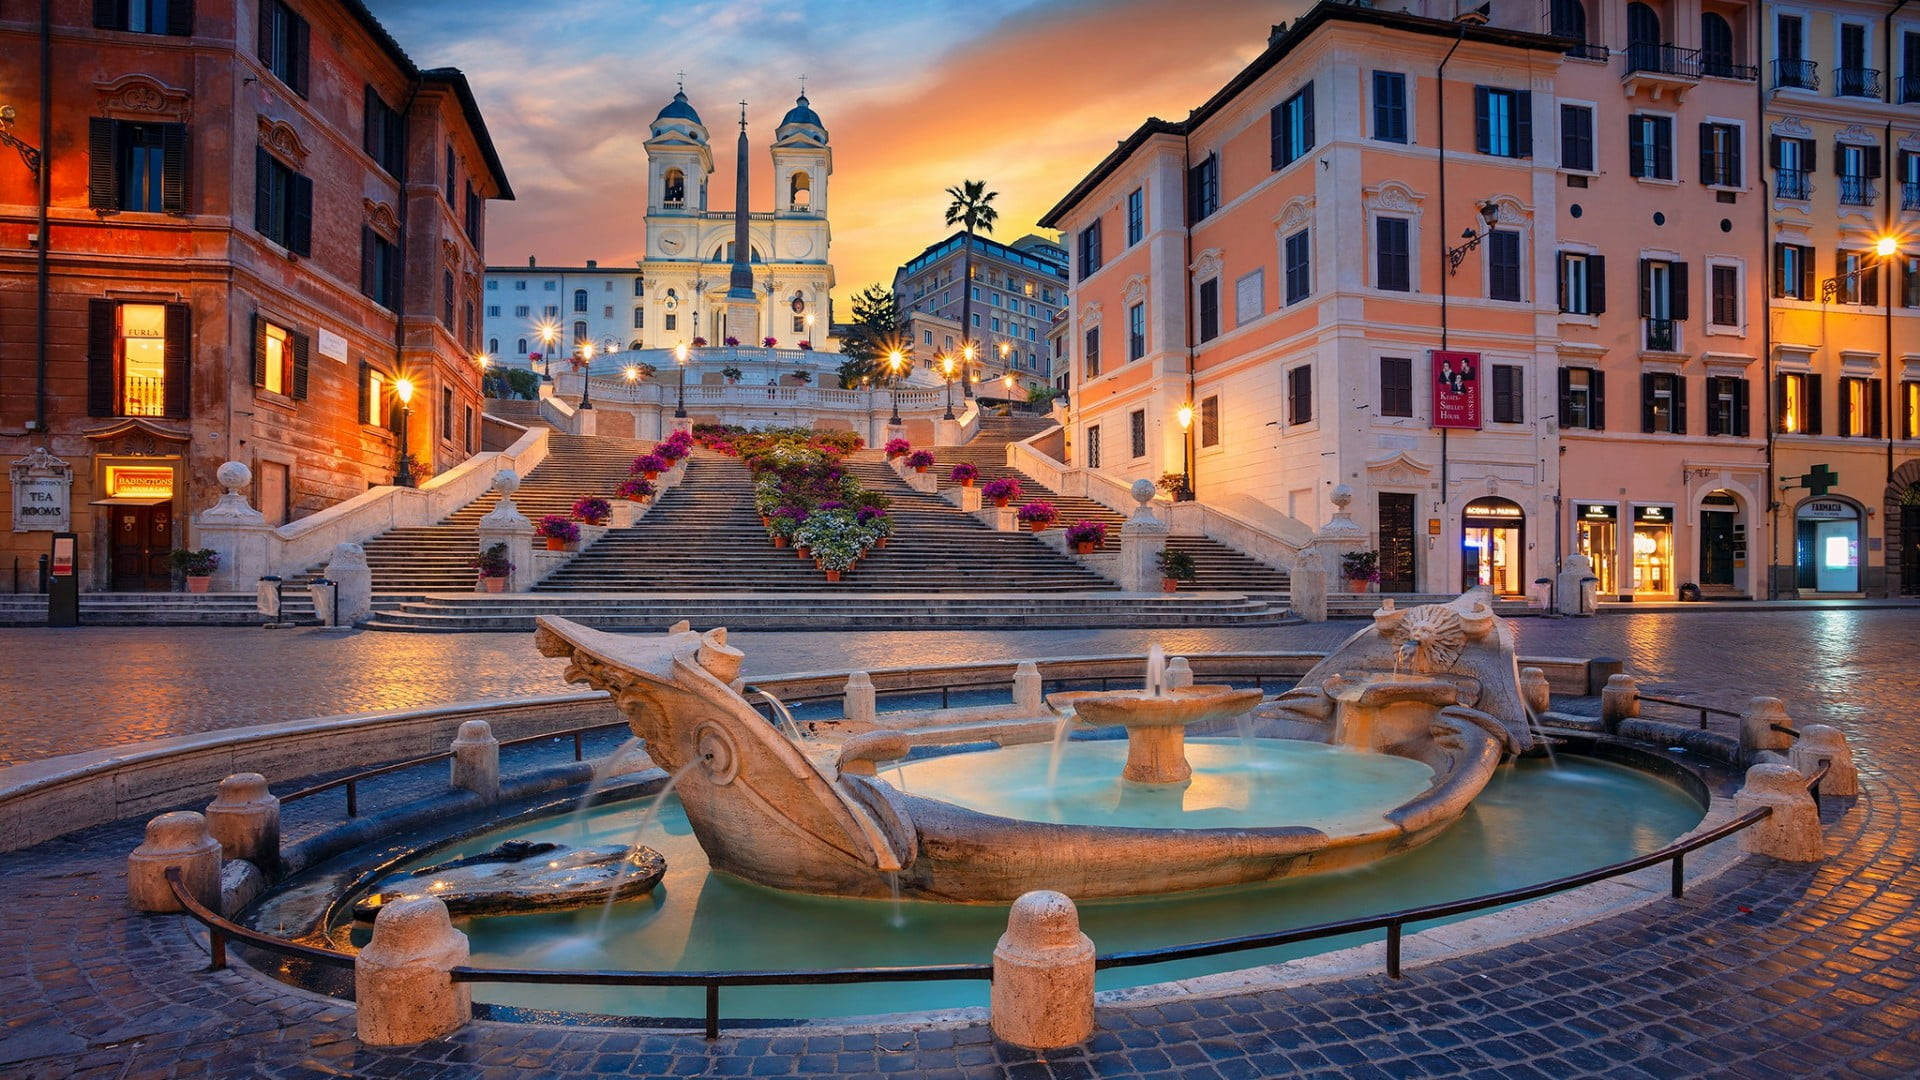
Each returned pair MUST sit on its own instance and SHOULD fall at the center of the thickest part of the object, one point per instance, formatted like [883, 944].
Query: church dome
[802, 113]
[678, 109]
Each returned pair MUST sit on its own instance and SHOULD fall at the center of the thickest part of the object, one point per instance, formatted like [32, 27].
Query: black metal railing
[1692, 706]
[1723, 67]
[353, 781]
[1857, 191]
[1910, 195]
[1663, 59]
[1793, 183]
[1856, 82]
[1662, 335]
[1796, 75]
[1907, 89]
[1589, 50]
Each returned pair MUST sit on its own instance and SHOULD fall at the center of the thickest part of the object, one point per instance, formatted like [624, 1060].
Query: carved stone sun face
[1431, 638]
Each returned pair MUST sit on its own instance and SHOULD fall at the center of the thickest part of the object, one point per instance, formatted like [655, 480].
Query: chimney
[593, 264]
[532, 262]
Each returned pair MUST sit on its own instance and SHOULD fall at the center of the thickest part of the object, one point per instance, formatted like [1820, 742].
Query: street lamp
[894, 362]
[403, 389]
[809, 327]
[548, 332]
[586, 377]
[946, 368]
[680, 361]
[967, 354]
[1186, 448]
[632, 374]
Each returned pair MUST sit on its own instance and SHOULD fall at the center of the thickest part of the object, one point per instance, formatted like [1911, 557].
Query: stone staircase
[160, 609]
[516, 411]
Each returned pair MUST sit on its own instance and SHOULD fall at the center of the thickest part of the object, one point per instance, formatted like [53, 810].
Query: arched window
[1643, 25]
[493, 346]
[674, 184]
[521, 347]
[1716, 45]
[579, 332]
[724, 253]
[636, 344]
[639, 318]
[639, 286]
[1569, 19]
[800, 191]
[580, 300]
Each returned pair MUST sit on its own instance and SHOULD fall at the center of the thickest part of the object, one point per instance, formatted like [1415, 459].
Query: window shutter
[300, 224]
[1873, 163]
[1596, 284]
[1679, 404]
[1839, 158]
[264, 38]
[371, 137]
[1306, 117]
[1677, 274]
[1873, 408]
[1277, 133]
[1773, 151]
[180, 18]
[1646, 402]
[1740, 408]
[302, 352]
[1844, 407]
[1598, 396]
[1646, 288]
[100, 328]
[1713, 399]
[396, 277]
[1810, 155]
[1481, 140]
[263, 209]
[1735, 173]
[1566, 398]
[259, 350]
[365, 411]
[109, 14]
[297, 35]
[1523, 123]
[1663, 150]
[1806, 273]
[368, 282]
[173, 171]
[103, 172]
[1707, 171]
[1813, 403]
[1636, 146]
[179, 362]
[1560, 282]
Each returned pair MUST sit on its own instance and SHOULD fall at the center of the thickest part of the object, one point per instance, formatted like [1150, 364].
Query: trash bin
[325, 600]
[1589, 595]
[1540, 594]
[266, 597]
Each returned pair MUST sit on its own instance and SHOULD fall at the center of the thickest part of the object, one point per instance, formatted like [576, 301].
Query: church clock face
[671, 243]
[799, 246]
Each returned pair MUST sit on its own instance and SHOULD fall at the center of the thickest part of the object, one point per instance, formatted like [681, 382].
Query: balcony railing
[1723, 67]
[1589, 50]
[1856, 82]
[1793, 183]
[1666, 59]
[1908, 87]
[144, 397]
[1910, 195]
[1663, 335]
[1796, 75]
[1856, 191]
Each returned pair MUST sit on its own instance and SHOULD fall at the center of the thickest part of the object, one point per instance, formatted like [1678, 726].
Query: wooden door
[1396, 542]
[142, 548]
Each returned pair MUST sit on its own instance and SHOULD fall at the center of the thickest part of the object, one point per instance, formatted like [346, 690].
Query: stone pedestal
[1308, 586]
[970, 498]
[924, 482]
[681, 423]
[1757, 734]
[1186, 519]
[1535, 690]
[1571, 586]
[476, 760]
[1005, 518]
[1142, 538]
[626, 513]
[585, 422]
[1791, 832]
[353, 581]
[1042, 996]
[1340, 535]
[237, 531]
[401, 986]
[947, 433]
[1027, 686]
[175, 841]
[1619, 700]
[1820, 742]
[858, 700]
[1157, 754]
[245, 818]
[505, 524]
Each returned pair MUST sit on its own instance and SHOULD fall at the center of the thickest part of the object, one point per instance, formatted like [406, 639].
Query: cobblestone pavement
[1772, 970]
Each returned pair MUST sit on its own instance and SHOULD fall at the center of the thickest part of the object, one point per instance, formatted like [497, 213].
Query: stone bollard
[1619, 701]
[1820, 742]
[1534, 689]
[1757, 732]
[858, 704]
[1792, 831]
[476, 760]
[400, 981]
[245, 817]
[1178, 674]
[1042, 996]
[1027, 684]
[178, 840]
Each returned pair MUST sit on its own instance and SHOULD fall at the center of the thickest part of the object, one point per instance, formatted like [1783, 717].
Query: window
[1663, 404]
[1583, 398]
[1724, 283]
[1792, 272]
[446, 299]
[639, 318]
[640, 287]
[1852, 78]
[1910, 281]
[520, 347]
[171, 17]
[137, 359]
[521, 311]
[1790, 42]
[1727, 410]
[380, 269]
[1568, 19]
[1503, 122]
[551, 311]
[1858, 276]
[1663, 302]
[673, 322]
[1137, 429]
[1576, 138]
[1716, 45]
[580, 301]
[1136, 216]
[383, 136]
[493, 311]
[1299, 267]
[468, 428]
[1210, 421]
[579, 333]
[473, 217]
[283, 44]
[1093, 352]
[1300, 395]
[1392, 265]
[1509, 394]
[376, 399]
[1798, 397]
[1720, 155]
[1089, 250]
[446, 413]
[1650, 146]
[1910, 159]
[1860, 408]
[1203, 188]
[1503, 265]
[1291, 129]
[520, 286]
[1093, 447]
[1250, 297]
[1793, 162]
[1396, 386]
[1858, 167]
[1583, 283]
[1643, 37]
[449, 174]
[1210, 309]
[137, 167]
[1390, 106]
[282, 203]
[1136, 331]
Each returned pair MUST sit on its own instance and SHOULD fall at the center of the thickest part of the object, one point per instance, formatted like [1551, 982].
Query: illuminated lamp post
[680, 361]
[967, 355]
[946, 368]
[894, 362]
[548, 332]
[586, 377]
[1186, 448]
[403, 389]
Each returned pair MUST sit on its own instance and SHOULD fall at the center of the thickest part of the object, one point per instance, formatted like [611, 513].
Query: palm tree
[972, 209]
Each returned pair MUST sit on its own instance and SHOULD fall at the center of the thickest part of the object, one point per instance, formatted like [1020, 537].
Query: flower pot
[652, 474]
[833, 576]
[779, 541]
[882, 543]
[765, 521]
[1084, 547]
[1036, 526]
[199, 584]
[1000, 502]
[554, 543]
[1357, 584]
[1169, 585]
[919, 468]
[595, 521]
[494, 584]
[803, 552]
[967, 482]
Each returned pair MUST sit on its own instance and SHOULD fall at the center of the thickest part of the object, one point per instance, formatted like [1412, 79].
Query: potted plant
[898, 447]
[196, 567]
[637, 489]
[1001, 491]
[769, 342]
[803, 376]
[965, 474]
[731, 341]
[731, 374]
[876, 522]
[1175, 567]
[1086, 535]
[806, 346]
[558, 531]
[1038, 515]
[1176, 486]
[783, 523]
[700, 343]
[494, 568]
[920, 460]
[1361, 569]
[651, 465]
[593, 510]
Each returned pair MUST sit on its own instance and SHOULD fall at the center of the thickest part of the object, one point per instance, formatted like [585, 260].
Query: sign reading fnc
[1456, 388]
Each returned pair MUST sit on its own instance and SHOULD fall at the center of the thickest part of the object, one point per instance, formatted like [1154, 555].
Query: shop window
[1859, 408]
[1827, 546]
[137, 359]
[1595, 536]
[1493, 542]
[1797, 398]
[1653, 549]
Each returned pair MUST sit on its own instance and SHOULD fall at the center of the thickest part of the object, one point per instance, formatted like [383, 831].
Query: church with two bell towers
[738, 273]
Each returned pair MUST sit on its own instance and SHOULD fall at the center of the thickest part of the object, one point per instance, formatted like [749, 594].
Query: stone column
[1142, 539]
[401, 987]
[505, 524]
[858, 700]
[1619, 701]
[353, 579]
[1027, 686]
[175, 841]
[1791, 832]
[237, 531]
[245, 817]
[1757, 734]
[476, 760]
[1042, 996]
[1820, 742]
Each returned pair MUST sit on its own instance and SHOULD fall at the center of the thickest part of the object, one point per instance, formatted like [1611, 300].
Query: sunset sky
[916, 95]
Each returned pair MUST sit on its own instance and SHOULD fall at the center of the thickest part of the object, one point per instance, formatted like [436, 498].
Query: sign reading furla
[42, 493]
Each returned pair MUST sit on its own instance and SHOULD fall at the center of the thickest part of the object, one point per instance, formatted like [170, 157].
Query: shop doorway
[1826, 550]
[1910, 551]
[1653, 550]
[141, 548]
[1396, 542]
[1722, 541]
[1493, 539]
[1595, 536]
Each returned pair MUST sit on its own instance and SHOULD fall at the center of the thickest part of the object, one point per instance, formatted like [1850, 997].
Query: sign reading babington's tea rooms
[42, 493]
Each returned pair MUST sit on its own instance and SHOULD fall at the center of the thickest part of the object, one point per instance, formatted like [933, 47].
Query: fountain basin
[522, 876]
[1156, 723]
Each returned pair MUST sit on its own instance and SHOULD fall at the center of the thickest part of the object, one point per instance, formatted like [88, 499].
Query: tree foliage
[875, 329]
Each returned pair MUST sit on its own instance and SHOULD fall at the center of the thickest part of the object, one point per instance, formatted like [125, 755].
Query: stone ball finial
[234, 475]
[506, 482]
[1142, 491]
[1341, 496]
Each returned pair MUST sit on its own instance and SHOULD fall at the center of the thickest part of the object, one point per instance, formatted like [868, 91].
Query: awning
[133, 500]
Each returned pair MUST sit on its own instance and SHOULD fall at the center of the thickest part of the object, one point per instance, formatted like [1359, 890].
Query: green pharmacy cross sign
[1818, 481]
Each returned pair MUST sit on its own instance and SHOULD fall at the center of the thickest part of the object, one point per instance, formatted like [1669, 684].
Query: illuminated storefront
[1596, 535]
[1826, 551]
[1492, 546]
[1652, 550]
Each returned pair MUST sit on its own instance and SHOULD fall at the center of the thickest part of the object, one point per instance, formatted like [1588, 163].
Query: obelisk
[743, 308]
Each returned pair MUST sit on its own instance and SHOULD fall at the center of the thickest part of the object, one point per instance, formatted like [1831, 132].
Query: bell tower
[802, 162]
[679, 161]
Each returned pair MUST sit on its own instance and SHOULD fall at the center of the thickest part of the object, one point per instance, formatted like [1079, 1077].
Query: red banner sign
[1456, 389]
